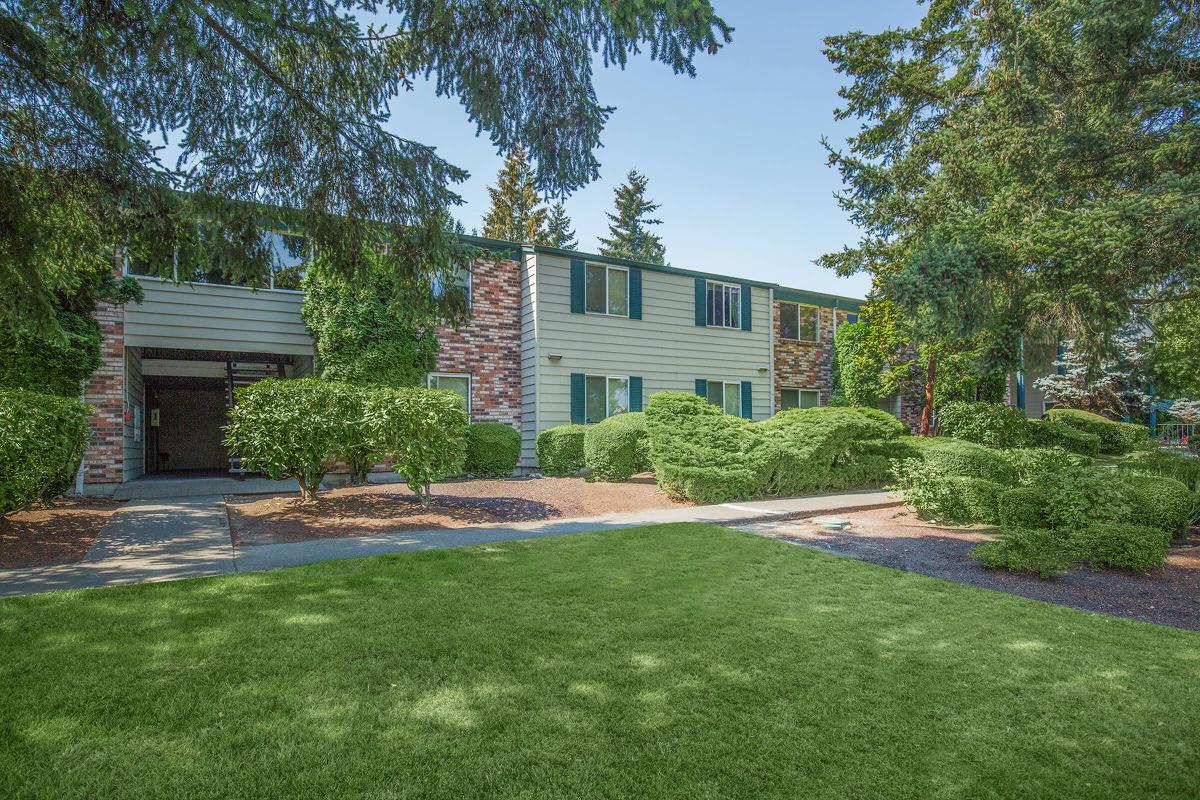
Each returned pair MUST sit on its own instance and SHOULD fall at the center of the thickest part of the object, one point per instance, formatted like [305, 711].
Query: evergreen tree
[559, 232]
[1025, 166]
[629, 235]
[517, 213]
[283, 103]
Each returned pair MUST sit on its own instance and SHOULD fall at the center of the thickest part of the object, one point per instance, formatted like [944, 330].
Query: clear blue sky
[733, 155]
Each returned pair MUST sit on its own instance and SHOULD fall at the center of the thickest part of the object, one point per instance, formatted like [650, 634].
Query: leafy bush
[493, 449]
[887, 426]
[965, 459]
[1158, 502]
[870, 463]
[1116, 544]
[991, 424]
[1037, 550]
[617, 448]
[699, 452]
[291, 428]
[356, 447]
[1047, 433]
[1068, 501]
[42, 441]
[947, 498]
[560, 449]
[1116, 438]
[1033, 463]
[1168, 465]
[423, 431]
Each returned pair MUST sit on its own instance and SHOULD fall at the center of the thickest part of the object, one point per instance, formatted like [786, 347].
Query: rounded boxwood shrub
[42, 441]
[1033, 463]
[947, 498]
[1067, 500]
[1048, 433]
[1158, 502]
[700, 453]
[1184, 469]
[1116, 544]
[990, 424]
[1022, 507]
[493, 449]
[1035, 550]
[616, 448]
[560, 449]
[1116, 438]
[965, 459]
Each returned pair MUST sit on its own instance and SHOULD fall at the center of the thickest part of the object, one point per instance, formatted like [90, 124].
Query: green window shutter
[702, 387]
[747, 400]
[577, 286]
[701, 303]
[747, 310]
[635, 294]
[635, 393]
[577, 398]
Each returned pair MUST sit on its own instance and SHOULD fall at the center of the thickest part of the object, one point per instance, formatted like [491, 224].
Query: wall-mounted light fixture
[555, 357]
[762, 370]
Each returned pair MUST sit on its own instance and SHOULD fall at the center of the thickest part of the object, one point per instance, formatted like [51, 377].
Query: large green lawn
[680, 661]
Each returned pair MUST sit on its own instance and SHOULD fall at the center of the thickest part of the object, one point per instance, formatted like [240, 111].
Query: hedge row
[42, 441]
[1116, 438]
[1000, 426]
[300, 428]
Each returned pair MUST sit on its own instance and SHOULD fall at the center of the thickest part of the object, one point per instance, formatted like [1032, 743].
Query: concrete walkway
[160, 540]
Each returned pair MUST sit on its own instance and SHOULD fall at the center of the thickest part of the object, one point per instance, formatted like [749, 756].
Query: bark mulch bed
[58, 534]
[896, 537]
[375, 509]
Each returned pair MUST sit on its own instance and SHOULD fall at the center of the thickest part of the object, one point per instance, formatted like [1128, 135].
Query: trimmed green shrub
[887, 426]
[1033, 463]
[1068, 501]
[355, 448]
[291, 428]
[1037, 550]
[1047, 433]
[423, 431]
[1022, 507]
[1158, 502]
[870, 463]
[1168, 465]
[1116, 544]
[965, 459]
[947, 498]
[42, 441]
[493, 449]
[560, 449]
[617, 448]
[699, 452]
[991, 424]
[1116, 438]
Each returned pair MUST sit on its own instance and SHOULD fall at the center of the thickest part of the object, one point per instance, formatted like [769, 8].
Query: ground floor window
[890, 404]
[451, 382]
[605, 396]
[727, 395]
[799, 398]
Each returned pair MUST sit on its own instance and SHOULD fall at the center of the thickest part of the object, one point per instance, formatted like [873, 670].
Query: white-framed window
[724, 305]
[851, 318]
[727, 395]
[463, 277]
[890, 404]
[606, 290]
[799, 323]
[605, 396]
[799, 398]
[452, 382]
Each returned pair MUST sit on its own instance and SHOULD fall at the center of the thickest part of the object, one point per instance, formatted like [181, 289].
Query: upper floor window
[287, 255]
[605, 396]
[462, 277]
[851, 318]
[606, 290]
[724, 305]
[459, 384]
[798, 323]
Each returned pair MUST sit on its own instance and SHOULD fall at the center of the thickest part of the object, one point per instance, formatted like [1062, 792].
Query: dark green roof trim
[818, 299]
[628, 262]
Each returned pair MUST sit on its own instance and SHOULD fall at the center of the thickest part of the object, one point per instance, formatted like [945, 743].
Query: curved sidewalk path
[188, 537]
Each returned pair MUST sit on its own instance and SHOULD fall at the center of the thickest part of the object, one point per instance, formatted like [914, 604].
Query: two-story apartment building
[556, 336]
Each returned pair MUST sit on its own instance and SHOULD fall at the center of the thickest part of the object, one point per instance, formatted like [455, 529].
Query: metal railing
[1174, 435]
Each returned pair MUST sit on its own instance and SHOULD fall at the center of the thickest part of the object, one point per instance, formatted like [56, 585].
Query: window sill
[603, 314]
[799, 341]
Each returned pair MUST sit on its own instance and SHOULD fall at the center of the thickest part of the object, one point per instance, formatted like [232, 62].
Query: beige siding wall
[666, 347]
[529, 361]
[211, 317]
[134, 445]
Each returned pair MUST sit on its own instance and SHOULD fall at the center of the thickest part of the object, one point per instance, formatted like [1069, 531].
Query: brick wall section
[489, 347]
[806, 365]
[105, 390]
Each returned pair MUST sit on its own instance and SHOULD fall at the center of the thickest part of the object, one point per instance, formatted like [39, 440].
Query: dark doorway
[190, 413]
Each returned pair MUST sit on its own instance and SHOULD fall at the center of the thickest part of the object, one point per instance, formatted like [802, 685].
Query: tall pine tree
[517, 213]
[559, 232]
[629, 228]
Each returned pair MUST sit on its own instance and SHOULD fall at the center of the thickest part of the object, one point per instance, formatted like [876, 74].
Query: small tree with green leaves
[629, 233]
[423, 432]
[558, 229]
[516, 213]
